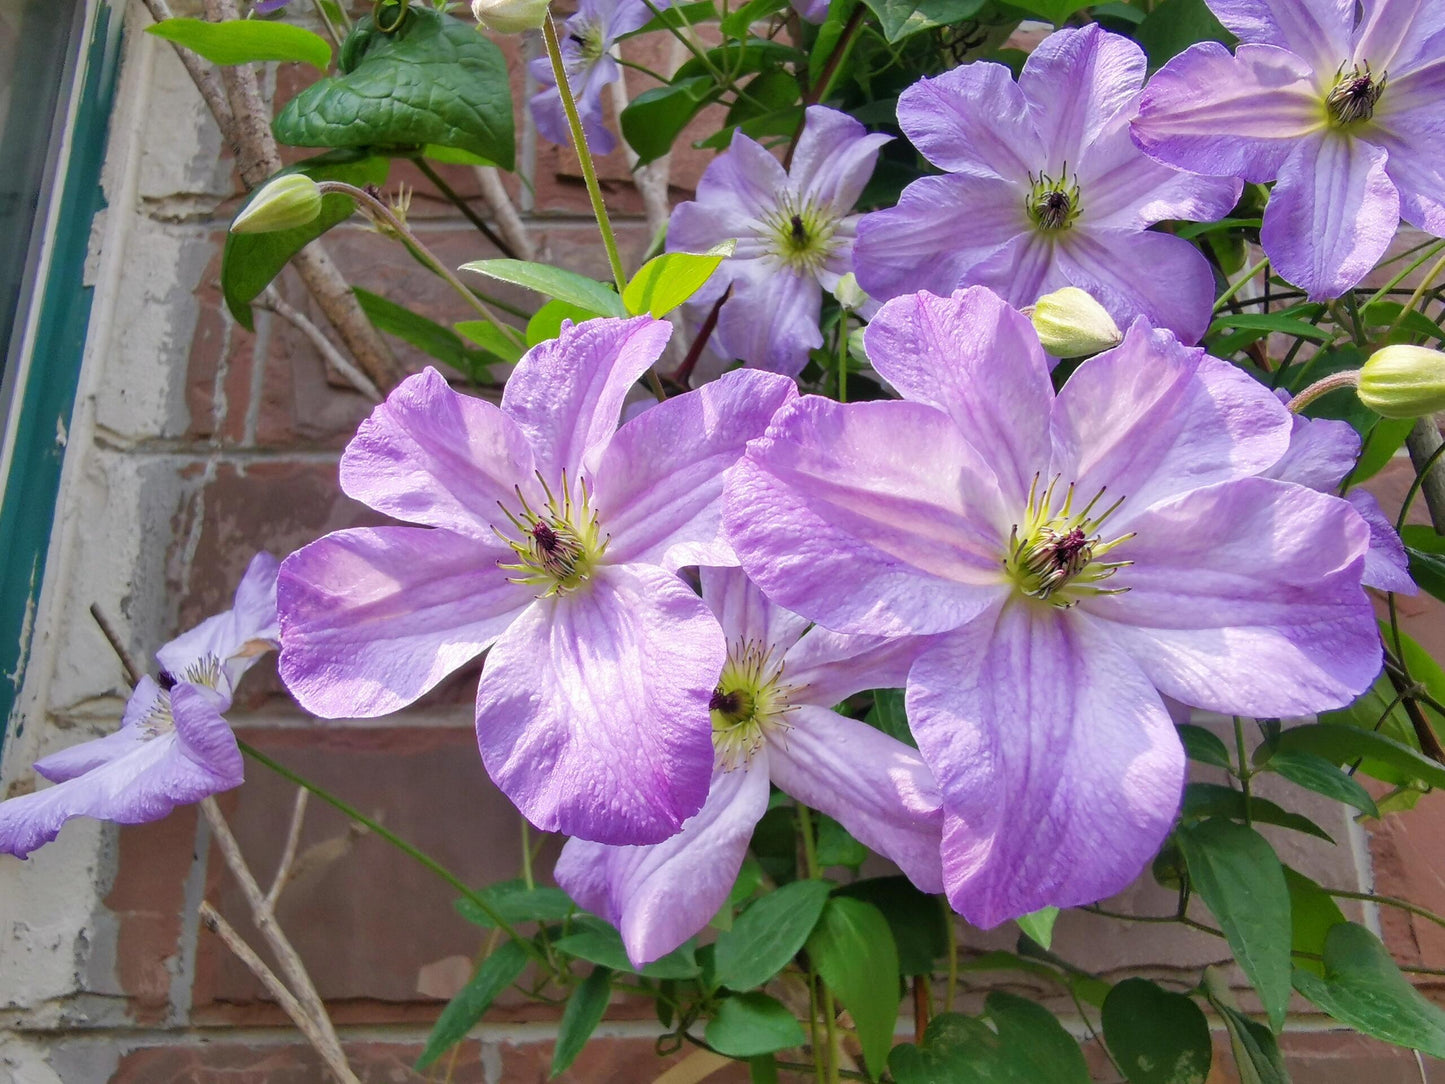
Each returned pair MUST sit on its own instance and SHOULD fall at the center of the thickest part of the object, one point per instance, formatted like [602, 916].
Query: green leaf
[1055, 11]
[1039, 925]
[1204, 746]
[741, 58]
[435, 80]
[852, 948]
[746, 1025]
[1426, 551]
[1256, 1054]
[750, 876]
[821, 55]
[552, 281]
[1270, 322]
[1345, 744]
[490, 338]
[1384, 440]
[1363, 987]
[1202, 800]
[1313, 912]
[1387, 314]
[737, 22]
[516, 903]
[778, 122]
[1314, 772]
[250, 261]
[665, 282]
[1174, 26]
[655, 118]
[546, 322]
[946, 1054]
[1235, 871]
[497, 972]
[426, 335]
[242, 41]
[597, 942]
[920, 931]
[454, 156]
[1156, 1036]
[889, 716]
[836, 847]
[580, 1018]
[1035, 1042]
[769, 934]
[678, 15]
[903, 18]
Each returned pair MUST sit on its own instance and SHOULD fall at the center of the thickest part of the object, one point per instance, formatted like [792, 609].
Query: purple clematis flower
[172, 747]
[551, 537]
[1322, 451]
[772, 720]
[268, 7]
[1044, 190]
[588, 39]
[1343, 112]
[1081, 554]
[794, 232]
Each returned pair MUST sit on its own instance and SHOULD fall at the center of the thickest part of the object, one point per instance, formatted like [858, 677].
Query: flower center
[801, 234]
[1354, 96]
[1054, 554]
[749, 704]
[557, 547]
[588, 39]
[1053, 204]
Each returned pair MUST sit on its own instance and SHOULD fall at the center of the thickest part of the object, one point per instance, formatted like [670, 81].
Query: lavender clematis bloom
[588, 38]
[794, 232]
[550, 536]
[772, 720]
[1044, 190]
[1343, 113]
[1080, 555]
[173, 747]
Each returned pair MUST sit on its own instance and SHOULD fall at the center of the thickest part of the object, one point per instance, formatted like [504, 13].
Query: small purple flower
[550, 536]
[268, 7]
[772, 721]
[794, 232]
[588, 39]
[1081, 554]
[1044, 189]
[172, 747]
[1345, 114]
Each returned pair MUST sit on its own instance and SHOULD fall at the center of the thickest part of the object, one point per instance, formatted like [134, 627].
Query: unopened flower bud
[510, 16]
[1403, 381]
[849, 294]
[282, 204]
[1071, 324]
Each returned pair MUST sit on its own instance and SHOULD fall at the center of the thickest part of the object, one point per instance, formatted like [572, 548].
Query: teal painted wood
[33, 485]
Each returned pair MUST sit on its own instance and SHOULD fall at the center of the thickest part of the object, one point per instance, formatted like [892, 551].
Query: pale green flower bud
[1403, 381]
[849, 294]
[1071, 324]
[510, 16]
[284, 203]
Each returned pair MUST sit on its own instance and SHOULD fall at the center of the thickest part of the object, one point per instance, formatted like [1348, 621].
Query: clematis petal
[979, 361]
[1059, 766]
[1078, 81]
[1138, 273]
[432, 456]
[746, 614]
[659, 481]
[838, 521]
[1321, 452]
[1244, 597]
[1317, 30]
[834, 159]
[1152, 419]
[874, 786]
[372, 618]
[1409, 125]
[1332, 215]
[592, 713]
[973, 119]
[1127, 190]
[566, 394]
[660, 895]
[1238, 115]
[236, 638]
[86, 756]
[771, 320]
[736, 188]
[1394, 36]
[940, 230]
[826, 667]
[1387, 566]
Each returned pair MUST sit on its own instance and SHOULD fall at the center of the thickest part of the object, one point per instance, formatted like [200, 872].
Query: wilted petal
[1332, 215]
[1387, 566]
[566, 394]
[1151, 419]
[592, 714]
[837, 520]
[432, 456]
[659, 482]
[1056, 759]
[746, 614]
[658, 896]
[236, 638]
[973, 119]
[372, 618]
[940, 230]
[1077, 82]
[834, 159]
[1138, 273]
[874, 786]
[1235, 115]
[979, 361]
[771, 319]
[1317, 30]
[1245, 598]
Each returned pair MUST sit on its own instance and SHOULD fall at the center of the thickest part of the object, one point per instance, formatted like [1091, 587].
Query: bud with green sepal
[283, 203]
[1403, 381]
[510, 16]
[1071, 324]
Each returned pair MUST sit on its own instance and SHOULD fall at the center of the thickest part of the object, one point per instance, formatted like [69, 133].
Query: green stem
[1248, 275]
[1414, 489]
[1388, 901]
[1430, 277]
[527, 855]
[1244, 773]
[584, 156]
[331, 30]
[810, 850]
[843, 351]
[952, 988]
[1348, 378]
[830, 1022]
